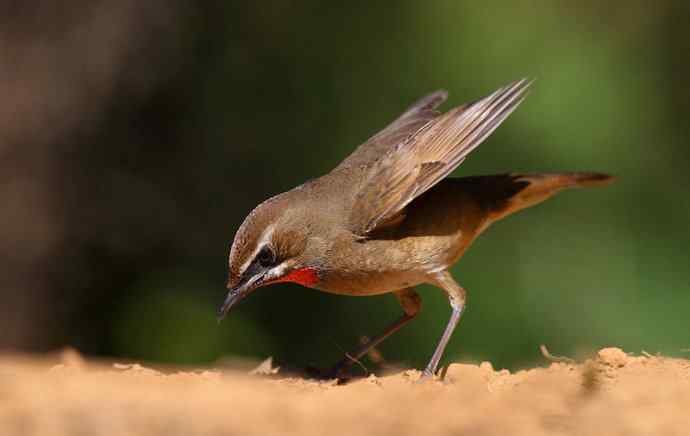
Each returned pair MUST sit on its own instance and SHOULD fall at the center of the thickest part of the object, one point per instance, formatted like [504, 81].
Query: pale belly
[378, 267]
[370, 284]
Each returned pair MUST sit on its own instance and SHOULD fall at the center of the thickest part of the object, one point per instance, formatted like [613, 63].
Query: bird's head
[274, 244]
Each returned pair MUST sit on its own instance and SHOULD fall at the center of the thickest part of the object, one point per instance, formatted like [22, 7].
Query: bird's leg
[456, 296]
[411, 304]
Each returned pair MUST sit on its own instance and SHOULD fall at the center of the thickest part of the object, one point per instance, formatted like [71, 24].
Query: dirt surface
[612, 393]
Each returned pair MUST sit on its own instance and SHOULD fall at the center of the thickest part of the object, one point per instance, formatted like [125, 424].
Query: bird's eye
[266, 257]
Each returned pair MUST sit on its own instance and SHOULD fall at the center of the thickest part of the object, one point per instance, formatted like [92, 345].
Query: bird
[388, 218]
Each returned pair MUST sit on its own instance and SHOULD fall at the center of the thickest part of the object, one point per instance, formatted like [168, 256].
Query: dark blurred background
[136, 136]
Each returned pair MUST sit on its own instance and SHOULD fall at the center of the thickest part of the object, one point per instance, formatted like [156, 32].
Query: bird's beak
[237, 293]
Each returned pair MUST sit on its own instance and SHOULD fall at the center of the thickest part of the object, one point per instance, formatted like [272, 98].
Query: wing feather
[412, 166]
[406, 125]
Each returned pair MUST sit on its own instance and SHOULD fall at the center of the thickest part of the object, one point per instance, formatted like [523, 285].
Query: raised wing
[412, 166]
[407, 124]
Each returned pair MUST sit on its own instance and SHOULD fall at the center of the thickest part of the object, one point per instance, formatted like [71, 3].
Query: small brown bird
[387, 219]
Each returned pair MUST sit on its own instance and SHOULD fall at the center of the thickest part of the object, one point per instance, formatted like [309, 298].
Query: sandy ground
[612, 393]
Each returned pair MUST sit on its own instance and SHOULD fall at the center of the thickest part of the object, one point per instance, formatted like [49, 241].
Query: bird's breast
[379, 266]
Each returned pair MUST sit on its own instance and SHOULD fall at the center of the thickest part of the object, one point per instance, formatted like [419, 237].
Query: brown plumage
[387, 218]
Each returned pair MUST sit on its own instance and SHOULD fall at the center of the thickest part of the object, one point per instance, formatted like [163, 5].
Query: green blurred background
[136, 136]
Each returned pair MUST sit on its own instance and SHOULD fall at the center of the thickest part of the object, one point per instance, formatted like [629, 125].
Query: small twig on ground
[352, 358]
[646, 354]
[358, 362]
[550, 357]
[442, 373]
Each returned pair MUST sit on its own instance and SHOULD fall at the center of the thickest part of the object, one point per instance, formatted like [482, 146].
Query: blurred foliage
[224, 105]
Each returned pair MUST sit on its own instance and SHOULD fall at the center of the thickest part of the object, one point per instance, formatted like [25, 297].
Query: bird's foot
[427, 376]
[337, 372]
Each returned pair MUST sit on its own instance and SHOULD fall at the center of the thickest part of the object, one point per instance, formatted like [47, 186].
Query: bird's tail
[525, 190]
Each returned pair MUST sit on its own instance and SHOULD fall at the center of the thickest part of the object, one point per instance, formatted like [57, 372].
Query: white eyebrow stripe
[265, 237]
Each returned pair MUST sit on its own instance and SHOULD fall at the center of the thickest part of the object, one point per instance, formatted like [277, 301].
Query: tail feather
[587, 180]
[524, 190]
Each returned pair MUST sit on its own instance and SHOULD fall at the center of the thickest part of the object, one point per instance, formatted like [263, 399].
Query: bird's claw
[426, 377]
[337, 372]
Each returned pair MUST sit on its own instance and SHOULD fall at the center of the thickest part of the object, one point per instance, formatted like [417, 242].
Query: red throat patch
[303, 276]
